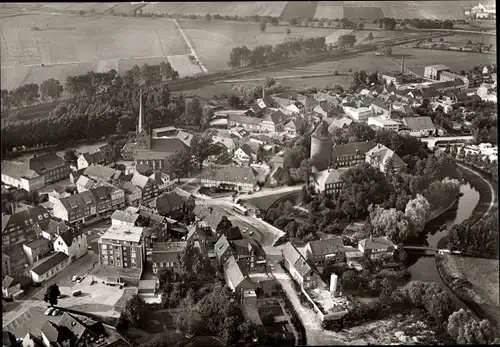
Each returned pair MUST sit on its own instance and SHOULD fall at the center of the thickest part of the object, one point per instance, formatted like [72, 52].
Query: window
[104, 246]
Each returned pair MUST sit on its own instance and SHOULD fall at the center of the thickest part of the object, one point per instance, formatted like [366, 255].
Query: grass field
[242, 9]
[70, 45]
[483, 289]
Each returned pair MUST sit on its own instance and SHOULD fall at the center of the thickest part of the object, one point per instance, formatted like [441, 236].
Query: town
[284, 216]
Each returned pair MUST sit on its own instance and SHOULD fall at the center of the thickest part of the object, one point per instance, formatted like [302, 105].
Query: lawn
[69, 45]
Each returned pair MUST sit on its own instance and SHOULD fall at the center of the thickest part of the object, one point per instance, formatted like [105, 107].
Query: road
[188, 43]
[315, 335]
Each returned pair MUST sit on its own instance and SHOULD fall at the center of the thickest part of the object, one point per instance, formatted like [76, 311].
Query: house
[49, 267]
[128, 150]
[11, 287]
[162, 182]
[235, 278]
[294, 126]
[487, 92]
[74, 175]
[22, 226]
[76, 208]
[171, 205]
[341, 123]
[299, 269]
[147, 186]
[350, 154]
[14, 261]
[249, 123]
[450, 76]
[329, 182]
[359, 114]
[52, 167]
[124, 218]
[84, 183]
[272, 122]
[242, 179]
[87, 159]
[102, 173]
[323, 108]
[102, 197]
[223, 250]
[200, 232]
[19, 175]
[377, 247]
[53, 229]
[227, 142]
[249, 254]
[420, 126]
[78, 330]
[456, 84]
[133, 194]
[379, 157]
[71, 242]
[433, 72]
[320, 252]
[245, 155]
[384, 123]
[36, 249]
[166, 255]
[394, 78]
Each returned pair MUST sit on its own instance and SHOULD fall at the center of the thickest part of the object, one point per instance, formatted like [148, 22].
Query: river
[424, 267]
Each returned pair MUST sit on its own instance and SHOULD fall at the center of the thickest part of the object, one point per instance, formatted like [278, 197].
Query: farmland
[71, 45]
[242, 9]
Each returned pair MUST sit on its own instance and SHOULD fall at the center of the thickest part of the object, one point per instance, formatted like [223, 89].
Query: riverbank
[478, 289]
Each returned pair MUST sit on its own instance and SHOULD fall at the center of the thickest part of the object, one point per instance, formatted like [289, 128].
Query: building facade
[52, 167]
[122, 247]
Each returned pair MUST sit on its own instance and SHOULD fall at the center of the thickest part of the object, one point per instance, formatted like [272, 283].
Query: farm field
[242, 9]
[69, 45]
[464, 38]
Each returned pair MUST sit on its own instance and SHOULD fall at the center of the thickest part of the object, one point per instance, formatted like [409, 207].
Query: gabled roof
[85, 182]
[233, 173]
[69, 235]
[101, 193]
[294, 123]
[48, 161]
[327, 246]
[290, 253]
[376, 243]
[419, 123]
[242, 247]
[244, 119]
[9, 282]
[222, 246]
[339, 123]
[159, 177]
[349, 149]
[49, 263]
[102, 172]
[18, 170]
[185, 137]
[168, 203]
[124, 216]
[37, 243]
[32, 215]
[234, 275]
[140, 180]
[386, 154]
[73, 324]
[330, 176]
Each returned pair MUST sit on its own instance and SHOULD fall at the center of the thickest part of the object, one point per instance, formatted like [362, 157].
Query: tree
[390, 223]
[125, 124]
[189, 321]
[201, 149]
[70, 156]
[385, 50]
[417, 212]
[465, 329]
[369, 37]
[208, 114]
[208, 17]
[81, 13]
[135, 312]
[269, 82]
[263, 24]
[288, 31]
[350, 280]
[234, 101]
[51, 88]
[52, 294]
[180, 164]
[361, 26]
[193, 112]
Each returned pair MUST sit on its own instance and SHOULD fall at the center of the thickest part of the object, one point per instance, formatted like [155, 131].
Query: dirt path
[193, 52]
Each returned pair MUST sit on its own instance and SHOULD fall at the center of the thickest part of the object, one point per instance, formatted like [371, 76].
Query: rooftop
[49, 263]
[123, 233]
[18, 170]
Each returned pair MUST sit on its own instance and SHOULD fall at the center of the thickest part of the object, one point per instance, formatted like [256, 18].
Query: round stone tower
[321, 144]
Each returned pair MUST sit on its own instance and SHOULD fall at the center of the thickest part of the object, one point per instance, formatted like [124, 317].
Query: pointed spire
[141, 114]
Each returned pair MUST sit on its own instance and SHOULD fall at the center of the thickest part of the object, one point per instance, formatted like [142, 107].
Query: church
[153, 147]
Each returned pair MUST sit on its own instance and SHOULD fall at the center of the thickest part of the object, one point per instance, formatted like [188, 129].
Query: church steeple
[141, 114]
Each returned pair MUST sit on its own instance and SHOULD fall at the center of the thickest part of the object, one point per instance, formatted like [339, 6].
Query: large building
[152, 149]
[241, 179]
[19, 175]
[122, 246]
[433, 72]
[321, 144]
[52, 167]
[22, 226]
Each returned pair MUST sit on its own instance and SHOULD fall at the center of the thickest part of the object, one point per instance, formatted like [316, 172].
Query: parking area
[31, 320]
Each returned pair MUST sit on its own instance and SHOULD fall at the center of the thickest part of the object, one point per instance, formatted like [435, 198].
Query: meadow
[70, 45]
[242, 9]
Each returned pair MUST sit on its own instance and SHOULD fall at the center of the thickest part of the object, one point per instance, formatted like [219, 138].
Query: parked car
[89, 248]
[244, 230]
[56, 312]
[62, 296]
[49, 311]
[77, 293]
[74, 278]
[251, 233]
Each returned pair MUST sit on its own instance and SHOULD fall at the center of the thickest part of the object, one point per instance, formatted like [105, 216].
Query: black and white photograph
[249, 173]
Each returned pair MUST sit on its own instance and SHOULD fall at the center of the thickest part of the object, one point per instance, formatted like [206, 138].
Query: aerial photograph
[268, 173]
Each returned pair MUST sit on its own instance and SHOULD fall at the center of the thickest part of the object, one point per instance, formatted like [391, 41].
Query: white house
[19, 175]
[87, 159]
[49, 267]
[380, 155]
[124, 218]
[384, 123]
[245, 155]
[71, 242]
[420, 126]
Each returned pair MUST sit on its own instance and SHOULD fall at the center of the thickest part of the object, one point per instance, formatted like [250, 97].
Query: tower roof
[321, 130]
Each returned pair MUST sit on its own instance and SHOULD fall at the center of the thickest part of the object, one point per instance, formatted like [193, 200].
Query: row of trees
[243, 56]
[480, 239]
[430, 24]
[88, 84]
[94, 117]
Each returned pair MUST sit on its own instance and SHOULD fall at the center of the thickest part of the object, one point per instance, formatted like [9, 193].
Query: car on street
[90, 232]
[80, 279]
[244, 230]
[49, 311]
[56, 312]
[251, 233]
[62, 296]
[74, 278]
[77, 293]
[89, 248]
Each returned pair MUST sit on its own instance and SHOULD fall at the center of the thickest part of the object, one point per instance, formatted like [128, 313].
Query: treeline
[243, 56]
[88, 84]
[477, 239]
[93, 117]
[439, 310]
[431, 24]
